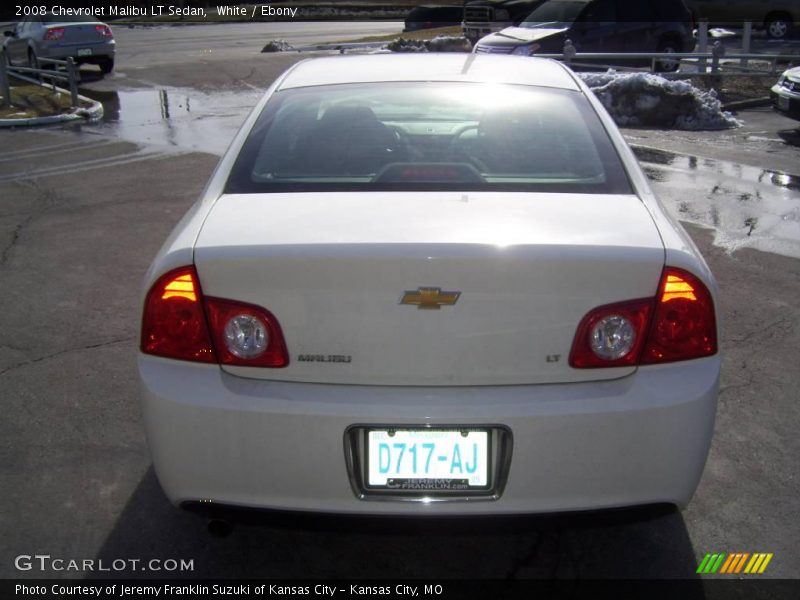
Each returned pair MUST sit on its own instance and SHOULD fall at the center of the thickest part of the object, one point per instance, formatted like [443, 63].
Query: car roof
[429, 67]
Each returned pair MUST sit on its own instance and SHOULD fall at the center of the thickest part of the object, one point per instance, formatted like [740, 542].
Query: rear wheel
[668, 46]
[107, 66]
[778, 26]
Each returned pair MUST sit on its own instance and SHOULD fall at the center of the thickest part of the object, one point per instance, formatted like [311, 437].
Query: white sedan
[427, 285]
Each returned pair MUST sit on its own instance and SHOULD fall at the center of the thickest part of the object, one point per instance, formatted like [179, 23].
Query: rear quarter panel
[679, 248]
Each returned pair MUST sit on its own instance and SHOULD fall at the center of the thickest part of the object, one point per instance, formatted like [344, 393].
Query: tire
[107, 66]
[778, 27]
[668, 46]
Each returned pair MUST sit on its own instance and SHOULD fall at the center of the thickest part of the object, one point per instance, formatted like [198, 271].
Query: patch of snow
[277, 46]
[449, 43]
[647, 102]
[720, 32]
[441, 43]
[404, 45]
[352, 13]
[646, 99]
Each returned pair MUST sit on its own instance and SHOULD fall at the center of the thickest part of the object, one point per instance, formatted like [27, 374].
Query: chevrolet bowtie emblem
[430, 298]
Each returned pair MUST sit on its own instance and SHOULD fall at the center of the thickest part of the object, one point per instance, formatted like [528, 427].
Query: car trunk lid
[81, 33]
[334, 268]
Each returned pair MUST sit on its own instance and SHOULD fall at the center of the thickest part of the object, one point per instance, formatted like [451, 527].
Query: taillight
[684, 323]
[678, 324]
[174, 325]
[611, 335]
[246, 335]
[104, 30]
[54, 33]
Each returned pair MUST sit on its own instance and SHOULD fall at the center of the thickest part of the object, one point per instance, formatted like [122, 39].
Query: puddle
[684, 162]
[748, 207]
[183, 119]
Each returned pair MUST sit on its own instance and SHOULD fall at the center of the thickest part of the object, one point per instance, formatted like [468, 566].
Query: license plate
[783, 103]
[427, 459]
[84, 52]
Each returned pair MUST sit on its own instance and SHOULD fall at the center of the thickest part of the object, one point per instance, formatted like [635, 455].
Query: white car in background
[428, 285]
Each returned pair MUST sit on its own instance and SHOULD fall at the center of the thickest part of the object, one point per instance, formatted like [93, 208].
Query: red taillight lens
[174, 324]
[679, 324]
[684, 323]
[587, 348]
[246, 335]
[104, 30]
[53, 34]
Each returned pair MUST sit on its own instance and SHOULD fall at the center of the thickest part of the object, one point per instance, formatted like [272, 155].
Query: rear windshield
[429, 137]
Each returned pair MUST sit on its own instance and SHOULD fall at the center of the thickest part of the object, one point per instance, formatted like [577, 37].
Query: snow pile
[449, 43]
[277, 46]
[441, 43]
[352, 13]
[404, 45]
[651, 100]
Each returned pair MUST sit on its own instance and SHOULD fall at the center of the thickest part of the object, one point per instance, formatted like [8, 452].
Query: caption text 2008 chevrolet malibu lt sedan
[429, 285]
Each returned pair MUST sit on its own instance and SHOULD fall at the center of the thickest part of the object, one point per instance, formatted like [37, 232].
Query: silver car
[39, 37]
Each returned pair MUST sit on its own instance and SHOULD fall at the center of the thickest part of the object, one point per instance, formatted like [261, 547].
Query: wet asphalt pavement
[83, 211]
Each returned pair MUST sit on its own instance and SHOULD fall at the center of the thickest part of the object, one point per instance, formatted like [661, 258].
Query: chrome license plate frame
[499, 442]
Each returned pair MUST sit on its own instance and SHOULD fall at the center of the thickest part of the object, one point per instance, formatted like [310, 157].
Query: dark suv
[599, 26]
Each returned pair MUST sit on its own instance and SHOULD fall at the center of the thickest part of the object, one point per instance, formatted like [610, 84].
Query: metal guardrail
[71, 77]
[573, 58]
[701, 56]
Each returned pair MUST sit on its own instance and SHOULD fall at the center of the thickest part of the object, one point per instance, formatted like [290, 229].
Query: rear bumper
[638, 440]
[99, 51]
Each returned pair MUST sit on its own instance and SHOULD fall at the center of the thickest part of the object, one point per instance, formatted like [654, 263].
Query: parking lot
[84, 209]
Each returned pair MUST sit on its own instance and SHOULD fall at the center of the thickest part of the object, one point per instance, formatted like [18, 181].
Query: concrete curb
[94, 112]
[752, 103]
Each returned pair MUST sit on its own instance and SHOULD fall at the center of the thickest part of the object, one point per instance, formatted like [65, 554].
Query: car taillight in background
[104, 30]
[174, 325]
[678, 324]
[53, 33]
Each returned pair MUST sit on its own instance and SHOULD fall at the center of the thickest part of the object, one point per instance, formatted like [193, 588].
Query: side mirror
[10, 33]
